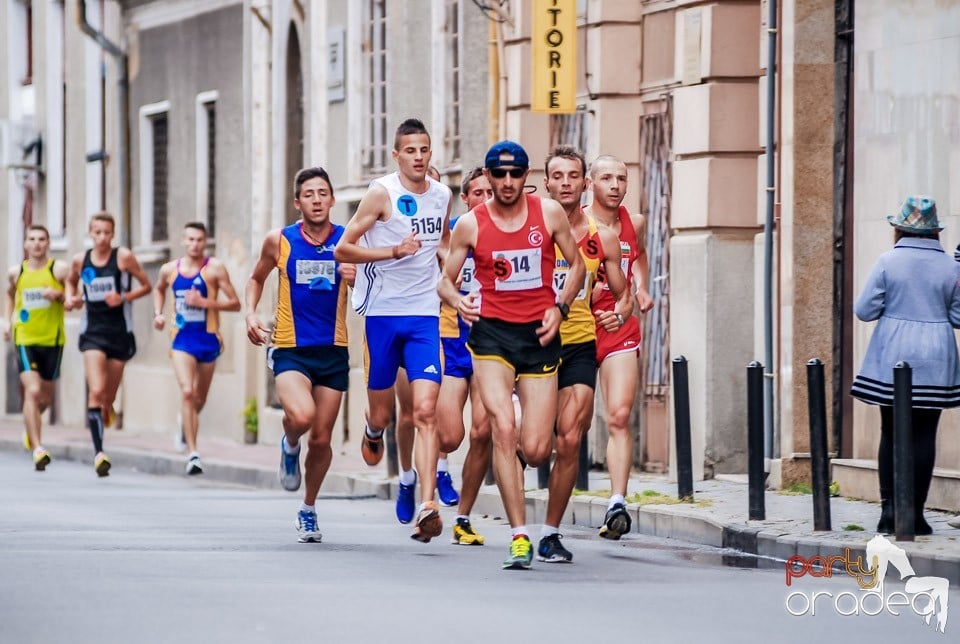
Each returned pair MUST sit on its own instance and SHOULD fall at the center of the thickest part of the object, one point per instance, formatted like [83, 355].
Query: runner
[106, 331]
[308, 347]
[457, 373]
[617, 351]
[396, 237]
[35, 311]
[196, 281]
[513, 338]
[565, 177]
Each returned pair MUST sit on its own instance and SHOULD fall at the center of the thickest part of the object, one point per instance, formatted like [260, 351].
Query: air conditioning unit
[19, 145]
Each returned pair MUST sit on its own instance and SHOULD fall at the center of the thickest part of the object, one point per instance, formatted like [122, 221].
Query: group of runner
[99, 282]
[520, 299]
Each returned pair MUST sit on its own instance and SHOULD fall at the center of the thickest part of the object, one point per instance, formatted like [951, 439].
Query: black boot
[886, 525]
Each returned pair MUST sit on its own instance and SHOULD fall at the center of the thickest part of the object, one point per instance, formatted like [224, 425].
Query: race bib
[32, 298]
[560, 279]
[98, 288]
[312, 271]
[468, 277]
[517, 270]
[186, 312]
[624, 257]
[428, 228]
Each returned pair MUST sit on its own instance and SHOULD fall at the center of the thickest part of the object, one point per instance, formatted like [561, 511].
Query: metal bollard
[681, 415]
[819, 458]
[583, 465]
[757, 477]
[903, 483]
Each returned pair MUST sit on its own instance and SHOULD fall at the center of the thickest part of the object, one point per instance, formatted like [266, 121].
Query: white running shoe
[307, 527]
[193, 464]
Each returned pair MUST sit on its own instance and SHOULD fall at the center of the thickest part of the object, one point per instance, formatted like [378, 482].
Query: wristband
[564, 309]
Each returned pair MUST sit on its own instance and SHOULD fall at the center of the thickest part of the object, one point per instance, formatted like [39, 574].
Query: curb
[670, 522]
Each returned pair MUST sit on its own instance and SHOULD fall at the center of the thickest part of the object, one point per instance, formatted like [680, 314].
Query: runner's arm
[73, 299]
[641, 266]
[462, 239]
[9, 300]
[612, 320]
[257, 333]
[374, 205]
[160, 295]
[222, 277]
[559, 227]
[60, 271]
[444, 247]
[127, 261]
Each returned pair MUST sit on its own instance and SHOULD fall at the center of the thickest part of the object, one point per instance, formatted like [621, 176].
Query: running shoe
[41, 458]
[289, 473]
[463, 534]
[371, 449]
[179, 442]
[616, 523]
[307, 527]
[552, 551]
[27, 445]
[406, 503]
[521, 554]
[448, 493]
[194, 466]
[429, 524]
[101, 463]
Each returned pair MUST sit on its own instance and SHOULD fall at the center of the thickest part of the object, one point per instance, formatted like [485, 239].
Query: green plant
[834, 489]
[251, 419]
[797, 489]
[853, 527]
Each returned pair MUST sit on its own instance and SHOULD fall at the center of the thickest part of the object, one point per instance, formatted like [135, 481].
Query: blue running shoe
[406, 503]
[289, 473]
[307, 527]
[448, 493]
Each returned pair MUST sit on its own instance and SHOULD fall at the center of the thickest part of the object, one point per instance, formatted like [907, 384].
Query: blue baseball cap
[520, 160]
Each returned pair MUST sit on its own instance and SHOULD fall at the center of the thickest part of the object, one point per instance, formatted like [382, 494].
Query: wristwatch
[564, 309]
[619, 318]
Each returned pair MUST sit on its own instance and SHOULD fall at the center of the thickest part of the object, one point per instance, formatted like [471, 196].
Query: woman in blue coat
[913, 291]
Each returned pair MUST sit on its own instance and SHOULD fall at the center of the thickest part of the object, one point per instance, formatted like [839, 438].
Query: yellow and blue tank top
[451, 324]
[37, 321]
[312, 300]
[580, 325]
[192, 321]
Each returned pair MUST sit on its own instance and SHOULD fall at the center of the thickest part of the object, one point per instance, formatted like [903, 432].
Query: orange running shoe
[429, 524]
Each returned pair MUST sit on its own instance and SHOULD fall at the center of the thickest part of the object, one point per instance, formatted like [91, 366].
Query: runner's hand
[73, 302]
[551, 324]
[644, 301]
[256, 332]
[5, 325]
[52, 294]
[468, 308]
[348, 272]
[409, 246]
[194, 299]
[607, 320]
[158, 322]
[113, 299]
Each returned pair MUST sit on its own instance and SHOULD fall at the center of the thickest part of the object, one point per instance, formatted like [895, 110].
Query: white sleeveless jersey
[405, 286]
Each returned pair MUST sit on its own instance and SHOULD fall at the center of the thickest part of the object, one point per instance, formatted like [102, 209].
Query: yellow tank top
[37, 320]
[580, 325]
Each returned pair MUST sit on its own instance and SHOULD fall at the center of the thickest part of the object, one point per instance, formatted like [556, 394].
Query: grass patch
[647, 497]
[853, 527]
[797, 489]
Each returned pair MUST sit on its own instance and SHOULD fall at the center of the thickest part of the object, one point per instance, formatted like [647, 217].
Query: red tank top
[515, 270]
[628, 254]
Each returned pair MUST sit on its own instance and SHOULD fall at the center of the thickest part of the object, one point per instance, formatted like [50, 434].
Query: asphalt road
[141, 559]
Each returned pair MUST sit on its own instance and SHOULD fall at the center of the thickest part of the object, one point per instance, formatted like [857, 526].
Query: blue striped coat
[913, 291]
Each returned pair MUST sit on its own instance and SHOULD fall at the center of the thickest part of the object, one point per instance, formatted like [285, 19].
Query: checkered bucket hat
[918, 214]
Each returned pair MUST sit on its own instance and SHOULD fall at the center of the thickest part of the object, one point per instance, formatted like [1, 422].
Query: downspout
[123, 87]
[768, 380]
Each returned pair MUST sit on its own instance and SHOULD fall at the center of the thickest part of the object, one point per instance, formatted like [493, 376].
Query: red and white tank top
[628, 254]
[515, 269]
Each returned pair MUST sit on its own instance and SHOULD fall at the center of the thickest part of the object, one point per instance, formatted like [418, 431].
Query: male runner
[514, 335]
[617, 351]
[106, 331]
[308, 348]
[34, 309]
[397, 237]
[196, 281]
[457, 373]
[565, 177]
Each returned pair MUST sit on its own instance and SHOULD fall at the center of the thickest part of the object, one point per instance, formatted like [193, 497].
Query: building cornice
[158, 14]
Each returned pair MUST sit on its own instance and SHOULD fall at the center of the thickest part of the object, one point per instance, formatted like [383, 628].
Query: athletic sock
[615, 499]
[307, 508]
[373, 434]
[442, 465]
[95, 425]
[408, 477]
[520, 530]
[465, 517]
[547, 530]
[290, 450]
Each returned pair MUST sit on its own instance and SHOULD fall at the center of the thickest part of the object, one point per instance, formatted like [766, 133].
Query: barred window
[451, 139]
[159, 127]
[375, 149]
[211, 168]
[569, 129]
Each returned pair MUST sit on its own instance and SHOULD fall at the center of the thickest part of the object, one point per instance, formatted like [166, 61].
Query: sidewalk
[717, 518]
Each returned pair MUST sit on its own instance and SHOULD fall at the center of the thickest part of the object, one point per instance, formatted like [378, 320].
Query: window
[375, 149]
[569, 129]
[154, 172]
[206, 160]
[451, 121]
[28, 72]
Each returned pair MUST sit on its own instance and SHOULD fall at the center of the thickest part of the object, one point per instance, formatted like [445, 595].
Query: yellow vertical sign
[554, 44]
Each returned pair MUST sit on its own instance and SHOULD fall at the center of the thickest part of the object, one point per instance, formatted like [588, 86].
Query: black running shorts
[515, 344]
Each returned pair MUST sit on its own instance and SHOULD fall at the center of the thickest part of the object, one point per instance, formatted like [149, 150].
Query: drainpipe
[768, 380]
[123, 87]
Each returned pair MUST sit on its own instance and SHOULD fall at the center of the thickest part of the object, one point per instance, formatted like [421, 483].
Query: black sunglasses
[500, 173]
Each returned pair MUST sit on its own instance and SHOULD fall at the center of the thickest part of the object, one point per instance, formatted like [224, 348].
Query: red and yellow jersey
[580, 325]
